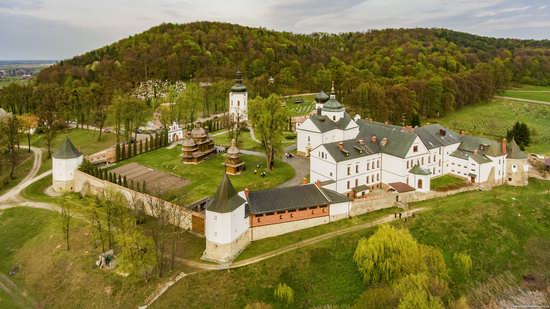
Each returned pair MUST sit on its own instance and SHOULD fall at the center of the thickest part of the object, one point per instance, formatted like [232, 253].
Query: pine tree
[110, 178]
[125, 181]
[144, 188]
[119, 182]
[123, 152]
[117, 157]
[135, 149]
[140, 146]
[138, 188]
[165, 137]
[132, 185]
[129, 151]
[520, 133]
[147, 144]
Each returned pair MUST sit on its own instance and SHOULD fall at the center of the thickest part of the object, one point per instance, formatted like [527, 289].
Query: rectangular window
[415, 148]
[378, 164]
[349, 170]
[372, 165]
[407, 164]
[348, 184]
[422, 160]
[429, 160]
[367, 179]
[372, 178]
[356, 182]
[357, 168]
[377, 177]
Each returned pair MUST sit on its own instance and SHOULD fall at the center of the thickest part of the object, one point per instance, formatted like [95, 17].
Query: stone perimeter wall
[179, 214]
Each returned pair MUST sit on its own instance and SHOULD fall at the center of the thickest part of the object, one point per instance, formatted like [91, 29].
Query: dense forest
[393, 74]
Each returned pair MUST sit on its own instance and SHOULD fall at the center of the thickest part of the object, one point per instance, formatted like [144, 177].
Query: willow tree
[268, 118]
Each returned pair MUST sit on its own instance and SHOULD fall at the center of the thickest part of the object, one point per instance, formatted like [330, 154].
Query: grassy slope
[494, 118]
[445, 181]
[245, 142]
[537, 93]
[86, 140]
[325, 273]
[300, 109]
[206, 176]
[23, 166]
[57, 278]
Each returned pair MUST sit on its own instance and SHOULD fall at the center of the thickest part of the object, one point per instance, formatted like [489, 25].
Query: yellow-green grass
[55, 277]
[446, 182]
[245, 141]
[24, 163]
[537, 95]
[495, 230]
[300, 109]
[273, 243]
[6, 81]
[85, 140]
[494, 118]
[206, 176]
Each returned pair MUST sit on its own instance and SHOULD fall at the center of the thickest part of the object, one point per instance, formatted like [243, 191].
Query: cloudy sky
[58, 29]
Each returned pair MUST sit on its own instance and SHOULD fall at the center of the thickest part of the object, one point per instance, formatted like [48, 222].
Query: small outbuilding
[233, 163]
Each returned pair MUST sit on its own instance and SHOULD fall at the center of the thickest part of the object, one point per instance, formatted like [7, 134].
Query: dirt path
[522, 100]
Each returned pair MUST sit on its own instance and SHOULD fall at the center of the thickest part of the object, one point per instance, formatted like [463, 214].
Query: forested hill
[425, 71]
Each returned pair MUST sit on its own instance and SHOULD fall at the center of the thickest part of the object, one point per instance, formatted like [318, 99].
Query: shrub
[284, 293]
[464, 261]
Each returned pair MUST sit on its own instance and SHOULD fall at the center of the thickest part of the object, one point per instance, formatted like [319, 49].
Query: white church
[238, 100]
[353, 156]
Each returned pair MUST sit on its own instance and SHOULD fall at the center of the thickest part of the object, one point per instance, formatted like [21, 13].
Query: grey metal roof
[325, 124]
[360, 188]
[286, 198]
[352, 149]
[419, 170]
[226, 198]
[335, 197]
[398, 142]
[67, 150]
[514, 152]
[432, 138]
[490, 147]
[462, 154]
[321, 97]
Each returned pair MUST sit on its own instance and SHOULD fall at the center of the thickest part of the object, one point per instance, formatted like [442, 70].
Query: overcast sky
[58, 29]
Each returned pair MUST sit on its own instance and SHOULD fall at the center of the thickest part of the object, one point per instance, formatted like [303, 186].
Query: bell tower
[238, 99]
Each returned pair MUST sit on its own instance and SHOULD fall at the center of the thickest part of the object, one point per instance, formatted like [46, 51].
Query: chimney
[462, 133]
[360, 142]
[304, 181]
[475, 151]
[442, 132]
[385, 123]
[373, 139]
[318, 183]
[341, 145]
[503, 145]
[384, 142]
[246, 192]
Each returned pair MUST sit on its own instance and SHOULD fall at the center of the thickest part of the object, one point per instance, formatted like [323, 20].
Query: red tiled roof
[401, 187]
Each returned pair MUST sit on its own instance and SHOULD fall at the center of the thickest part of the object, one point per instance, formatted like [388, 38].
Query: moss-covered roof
[419, 170]
[514, 152]
[321, 97]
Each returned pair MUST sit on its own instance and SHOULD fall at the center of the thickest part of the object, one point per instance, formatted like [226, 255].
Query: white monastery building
[354, 156]
[238, 99]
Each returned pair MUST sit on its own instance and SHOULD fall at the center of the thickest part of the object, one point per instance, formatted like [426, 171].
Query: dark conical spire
[67, 150]
[226, 198]
[514, 152]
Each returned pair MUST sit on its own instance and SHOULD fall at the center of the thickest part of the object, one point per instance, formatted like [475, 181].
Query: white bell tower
[238, 99]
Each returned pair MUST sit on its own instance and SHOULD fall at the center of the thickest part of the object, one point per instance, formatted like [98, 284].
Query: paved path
[253, 136]
[522, 100]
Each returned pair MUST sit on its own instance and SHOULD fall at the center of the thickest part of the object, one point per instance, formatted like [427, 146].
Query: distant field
[537, 93]
[8, 80]
[494, 118]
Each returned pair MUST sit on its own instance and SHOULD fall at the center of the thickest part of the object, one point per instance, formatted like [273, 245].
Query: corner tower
[226, 224]
[238, 99]
[64, 164]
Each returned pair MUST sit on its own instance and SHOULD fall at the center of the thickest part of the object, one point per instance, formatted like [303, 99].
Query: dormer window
[481, 147]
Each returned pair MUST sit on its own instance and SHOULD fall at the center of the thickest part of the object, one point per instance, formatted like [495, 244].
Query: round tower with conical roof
[333, 109]
[65, 162]
[238, 99]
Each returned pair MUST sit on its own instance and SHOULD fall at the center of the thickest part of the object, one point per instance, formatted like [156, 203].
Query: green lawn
[206, 176]
[494, 118]
[300, 109]
[85, 140]
[245, 141]
[447, 182]
[499, 233]
[55, 277]
[537, 93]
[6, 81]
[24, 165]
